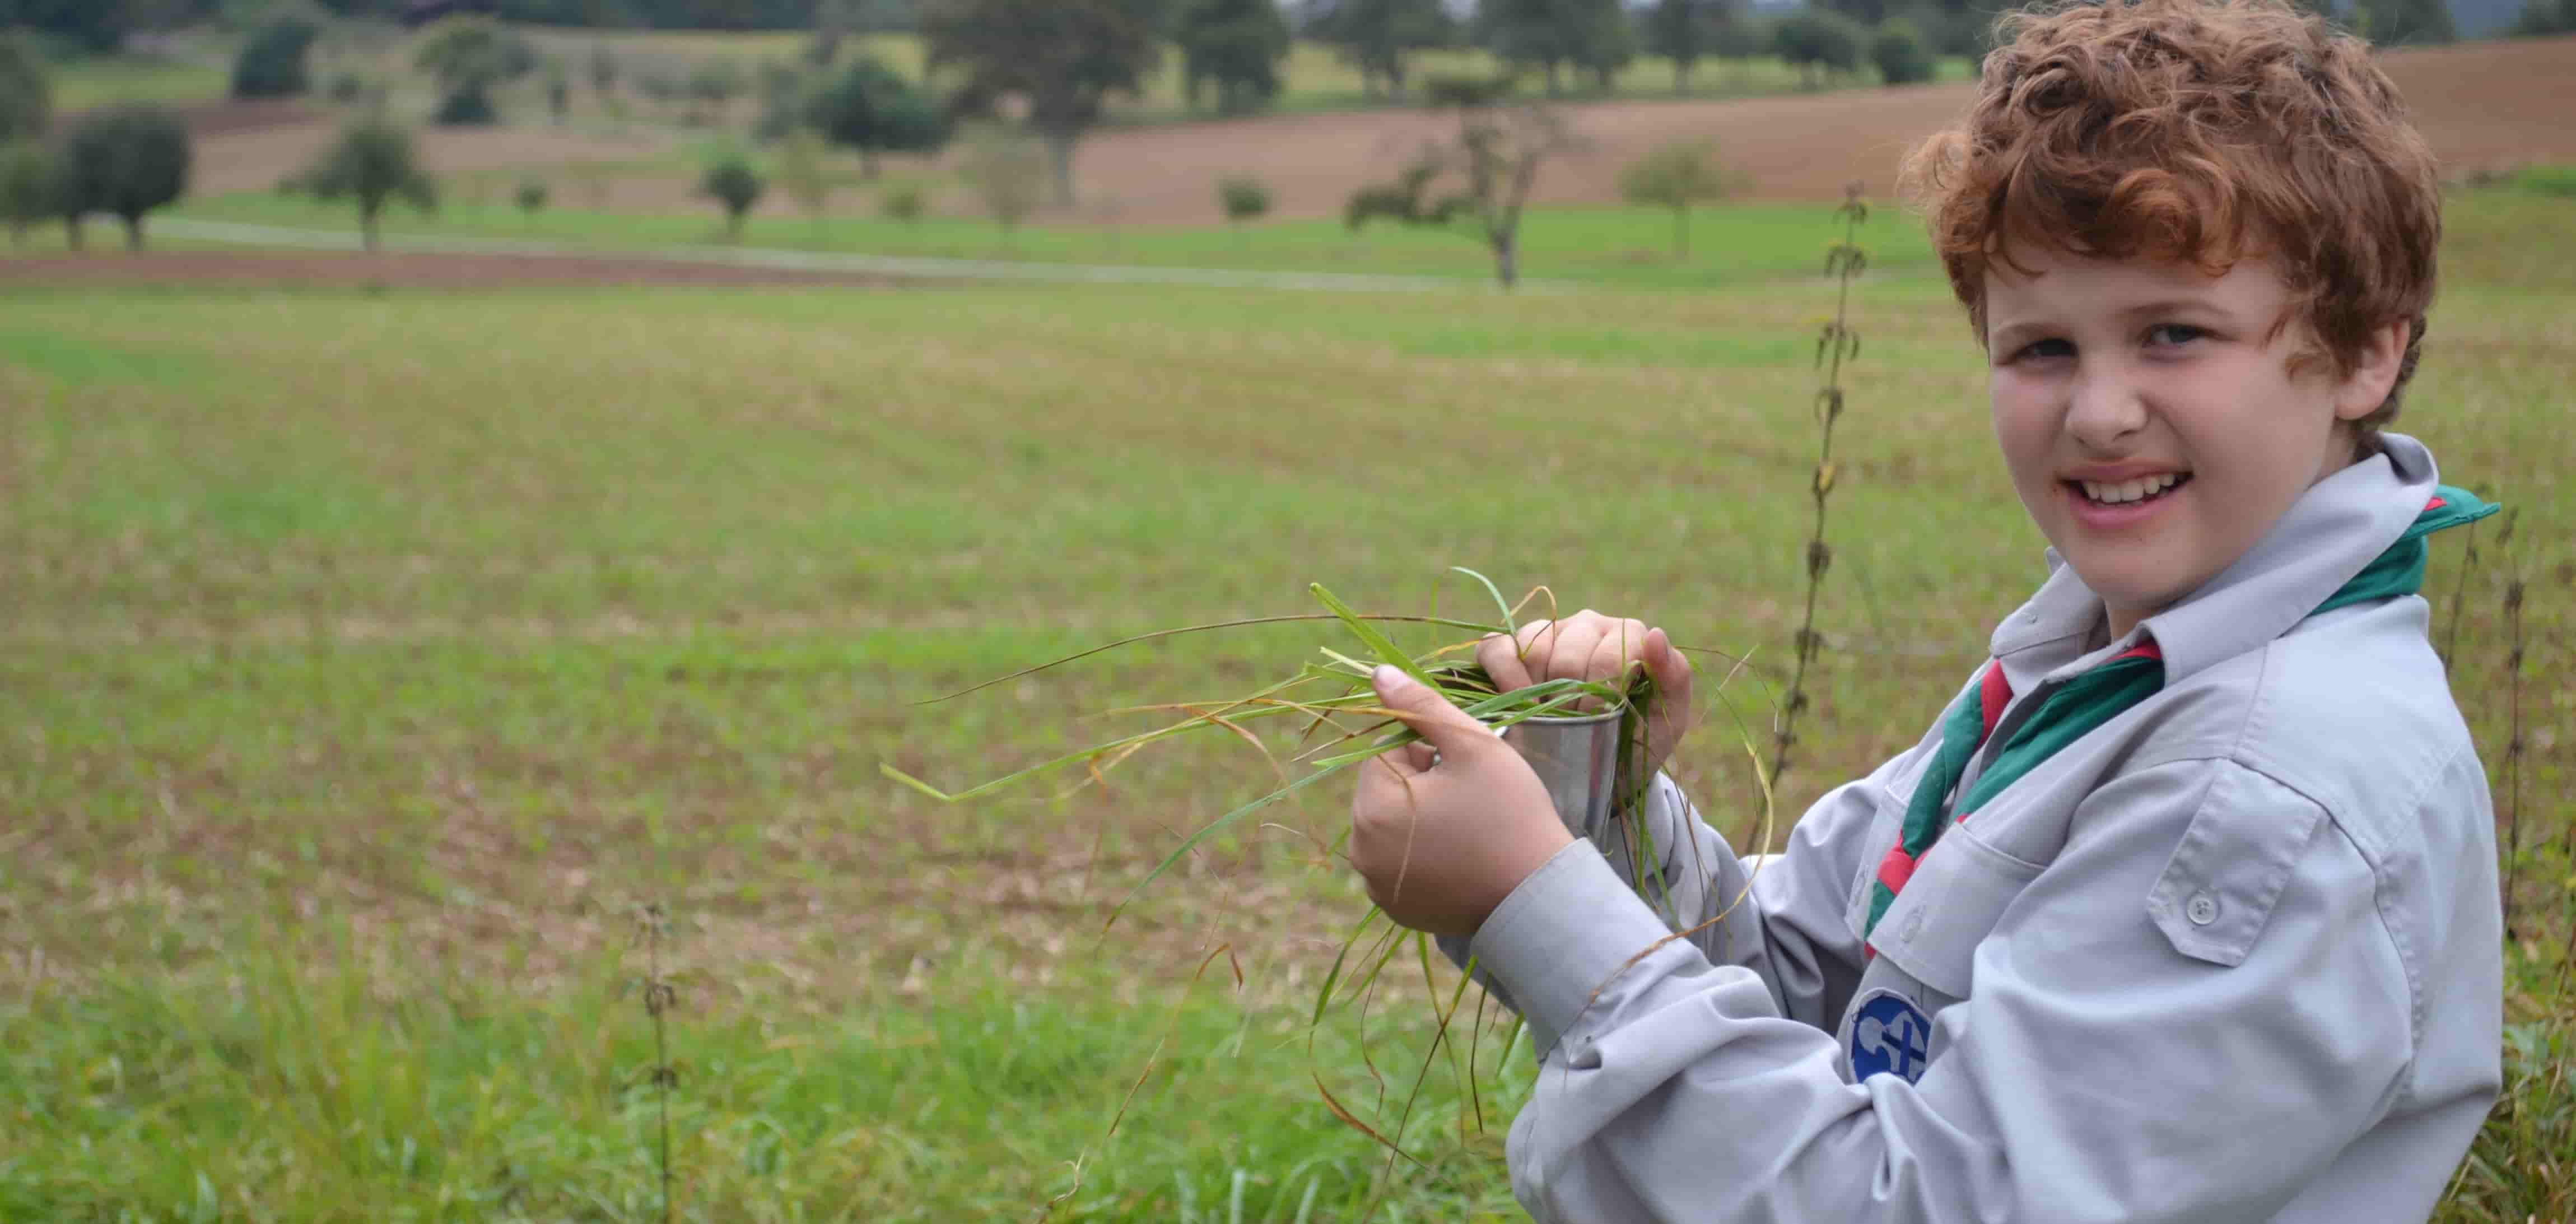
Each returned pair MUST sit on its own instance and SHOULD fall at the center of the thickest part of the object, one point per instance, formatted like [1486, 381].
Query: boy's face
[2151, 421]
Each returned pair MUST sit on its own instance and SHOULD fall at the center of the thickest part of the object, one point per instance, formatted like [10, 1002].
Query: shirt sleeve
[2100, 1069]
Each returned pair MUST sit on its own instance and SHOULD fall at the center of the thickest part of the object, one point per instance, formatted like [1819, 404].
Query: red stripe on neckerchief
[2079, 705]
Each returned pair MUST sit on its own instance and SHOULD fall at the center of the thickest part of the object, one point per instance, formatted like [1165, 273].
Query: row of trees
[122, 160]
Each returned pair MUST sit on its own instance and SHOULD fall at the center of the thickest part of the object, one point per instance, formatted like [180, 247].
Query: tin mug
[1577, 760]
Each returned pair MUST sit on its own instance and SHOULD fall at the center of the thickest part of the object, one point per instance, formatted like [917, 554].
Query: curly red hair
[2204, 131]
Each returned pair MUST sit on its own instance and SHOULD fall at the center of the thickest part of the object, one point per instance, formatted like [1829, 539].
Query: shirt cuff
[1566, 930]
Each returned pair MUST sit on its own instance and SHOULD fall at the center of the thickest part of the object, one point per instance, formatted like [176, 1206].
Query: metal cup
[1577, 759]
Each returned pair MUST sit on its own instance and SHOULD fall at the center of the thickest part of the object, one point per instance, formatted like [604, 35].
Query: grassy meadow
[375, 666]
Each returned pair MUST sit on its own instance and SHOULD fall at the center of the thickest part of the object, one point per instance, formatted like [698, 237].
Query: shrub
[348, 88]
[26, 98]
[904, 201]
[1676, 176]
[271, 63]
[372, 162]
[126, 160]
[1899, 52]
[735, 185]
[1008, 172]
[30, 189]
[532, 196]
[1242, 197]
[1815, 40]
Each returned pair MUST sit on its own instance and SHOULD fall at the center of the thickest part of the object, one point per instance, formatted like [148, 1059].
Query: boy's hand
[1588, 646]
[1440, 845]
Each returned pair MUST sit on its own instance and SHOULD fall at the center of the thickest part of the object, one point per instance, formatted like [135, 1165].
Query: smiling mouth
[2129, 492]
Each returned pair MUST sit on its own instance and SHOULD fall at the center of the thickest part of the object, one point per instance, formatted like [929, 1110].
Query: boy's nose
[2105, 410]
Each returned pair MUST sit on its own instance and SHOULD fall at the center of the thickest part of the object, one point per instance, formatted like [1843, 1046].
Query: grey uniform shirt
[2235, 955]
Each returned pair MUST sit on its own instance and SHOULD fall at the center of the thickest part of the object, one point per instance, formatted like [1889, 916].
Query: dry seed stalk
[2459, 593]
[1835, 343]
[658, 997]
[2513, 736]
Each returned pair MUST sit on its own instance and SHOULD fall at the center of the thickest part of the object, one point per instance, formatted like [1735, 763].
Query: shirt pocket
[1950, 904]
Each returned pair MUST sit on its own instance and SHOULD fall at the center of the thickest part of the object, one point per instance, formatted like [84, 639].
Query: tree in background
[800, 172]
[271, 63]
[1007, 171]
[26, 97]
[715, 83]
[1235, 45]
[1866, 12]
[2541, 18]
[558, 90]
[96, 25]
[1676, 176]
[904, 202]
[735, 185]
[1064, 57]
[372, 162]
[870, 108]
[1497, 154]
[834, 20]
[1550, 35]
[30, 186]
[1813, 40]
[1244, 198]
[2404, 23]
[1684, 31]
[126, 160]
[1900, 53]
[1379, 37]
[469, 57]
[603, 73]
[532, 197]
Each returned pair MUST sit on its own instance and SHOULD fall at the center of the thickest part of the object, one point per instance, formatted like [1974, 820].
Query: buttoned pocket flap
[1949, 905]
[2217, 891]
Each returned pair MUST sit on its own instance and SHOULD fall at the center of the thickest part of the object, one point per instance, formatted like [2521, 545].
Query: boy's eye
[2045, 348]
[2167, 335]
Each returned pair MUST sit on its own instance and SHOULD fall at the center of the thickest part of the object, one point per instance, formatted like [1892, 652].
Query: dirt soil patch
[262, 147]
[403, 269]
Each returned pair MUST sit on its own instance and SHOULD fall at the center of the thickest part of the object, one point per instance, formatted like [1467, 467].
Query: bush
[1242, 197]
[348, 88]
[735, 185]
[1899, 52]
[26, 98]
[372, 162]
[271, 63]
[30, 190]
[532, 196]
[126, 160]
[904, 201]
[465, 108]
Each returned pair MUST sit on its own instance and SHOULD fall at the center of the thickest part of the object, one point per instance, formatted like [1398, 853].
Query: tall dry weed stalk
[2459, 597]
[1836, 343]
[2513, 744]
[653, 923]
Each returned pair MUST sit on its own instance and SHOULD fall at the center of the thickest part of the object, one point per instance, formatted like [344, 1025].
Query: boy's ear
[2374, 370]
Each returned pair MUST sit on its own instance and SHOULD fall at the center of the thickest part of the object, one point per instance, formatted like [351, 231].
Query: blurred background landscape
[485, 486]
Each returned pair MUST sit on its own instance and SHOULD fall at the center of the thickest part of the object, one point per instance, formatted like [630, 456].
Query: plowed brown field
[2481, 104]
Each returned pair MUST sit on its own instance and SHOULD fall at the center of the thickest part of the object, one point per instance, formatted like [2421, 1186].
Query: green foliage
[372, 162]
[1380, 37]
[1552, 35]
[800, 171]
[1006, 170]
[92, 25]
[126, 160]
[30, 186]
[26, 93]
[1236, 46]
[2555, 181]
[2541, 18]
[1866, 13]
[905, 202]
[716, 81]
[2401, 23]
[1684, 31]
[1061, 58]
[348, 87]
[1818, 40]
[1900, 54]
[531, 196]
[1242, 197]
[469, 57]
[271, 63]
[871, 108]
[735, 185]
[1677, 176]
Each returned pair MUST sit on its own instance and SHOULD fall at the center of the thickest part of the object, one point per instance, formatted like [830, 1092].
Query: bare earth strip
[411, 269]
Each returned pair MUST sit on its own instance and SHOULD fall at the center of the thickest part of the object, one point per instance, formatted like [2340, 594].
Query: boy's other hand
[1588, 646]
[1441, 844]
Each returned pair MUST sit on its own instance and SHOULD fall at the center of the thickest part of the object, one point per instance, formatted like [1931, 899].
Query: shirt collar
[2334, 530]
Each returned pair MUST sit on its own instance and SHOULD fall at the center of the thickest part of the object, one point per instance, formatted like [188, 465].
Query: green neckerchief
[2079, 705]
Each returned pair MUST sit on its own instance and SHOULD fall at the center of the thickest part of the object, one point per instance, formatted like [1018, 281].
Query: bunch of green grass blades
[1342, 725]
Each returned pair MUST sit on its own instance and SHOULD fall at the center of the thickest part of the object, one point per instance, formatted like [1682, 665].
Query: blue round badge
[1890, 1036]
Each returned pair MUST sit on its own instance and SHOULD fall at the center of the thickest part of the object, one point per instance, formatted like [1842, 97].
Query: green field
[368, 660]
[100, 80]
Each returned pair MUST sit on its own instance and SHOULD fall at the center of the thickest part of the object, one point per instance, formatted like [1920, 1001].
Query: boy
[2186, 909]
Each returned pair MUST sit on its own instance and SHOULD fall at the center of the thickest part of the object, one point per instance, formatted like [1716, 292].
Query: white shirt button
[2202, 910]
